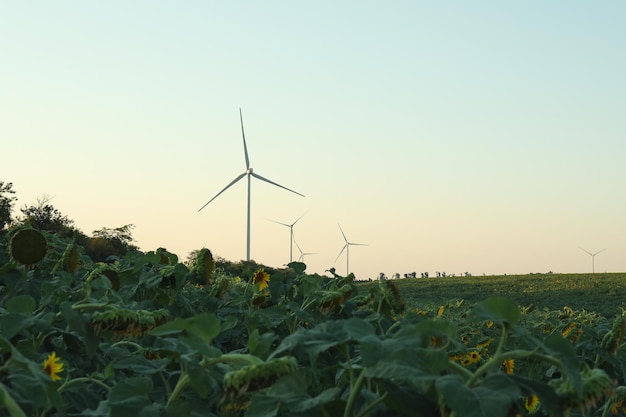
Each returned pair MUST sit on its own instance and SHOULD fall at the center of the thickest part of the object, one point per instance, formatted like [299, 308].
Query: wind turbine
[290, 226]
[302, 254]
[249, 173]
[346, 247]
[593, 258]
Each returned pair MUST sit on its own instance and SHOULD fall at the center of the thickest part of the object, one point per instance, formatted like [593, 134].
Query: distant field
[603, 293]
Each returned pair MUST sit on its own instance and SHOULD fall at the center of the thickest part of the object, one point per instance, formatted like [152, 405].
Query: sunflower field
[148, 335]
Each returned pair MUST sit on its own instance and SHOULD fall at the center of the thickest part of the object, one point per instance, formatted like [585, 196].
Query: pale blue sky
[448, 136]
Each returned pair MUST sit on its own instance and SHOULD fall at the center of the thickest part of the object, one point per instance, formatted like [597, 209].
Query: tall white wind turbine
[249, 173]
[346, 247]
[593, 258]
[290, 226]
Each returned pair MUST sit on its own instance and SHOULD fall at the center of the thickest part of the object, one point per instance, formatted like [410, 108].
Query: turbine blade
[344, 235]
[273, 183]
[299, 218]
[245, 148]
[342, 249]
[298, 246]
[224, 189]
[284, 224]
[586, 251]
[358, 244]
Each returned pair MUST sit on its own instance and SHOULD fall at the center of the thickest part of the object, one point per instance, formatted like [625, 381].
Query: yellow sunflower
[470, 358]
[568, 329]
[531, 403]
[509, 366]
[262, 278]
[618, 406]
[53, 366]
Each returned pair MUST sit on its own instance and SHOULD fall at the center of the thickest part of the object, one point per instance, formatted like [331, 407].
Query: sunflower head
[393, 297]
[470, 358]
[566, 331]
[53, 366]
[204, 267]
[509, 366]
[531, 403]
[261, 278]
[28, 246]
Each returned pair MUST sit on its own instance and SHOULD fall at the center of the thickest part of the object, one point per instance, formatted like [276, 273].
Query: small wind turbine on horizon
[290, 226]
[593, 258]
[346, 247]
[302, 254]
[249, 173]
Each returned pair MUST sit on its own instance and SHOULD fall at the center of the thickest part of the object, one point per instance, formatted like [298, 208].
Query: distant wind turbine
[593, 258]
[346, 247]
[249, 173]
[290, 226]
[302, 254]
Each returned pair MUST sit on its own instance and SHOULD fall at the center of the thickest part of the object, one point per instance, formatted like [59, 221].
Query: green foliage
[107, 242]
[7, 200]
[137, 336]
[44, 216]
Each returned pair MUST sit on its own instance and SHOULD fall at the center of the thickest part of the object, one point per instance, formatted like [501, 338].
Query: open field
[603, 293]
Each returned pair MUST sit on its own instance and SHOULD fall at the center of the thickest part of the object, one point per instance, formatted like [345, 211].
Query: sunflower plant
[145, 335]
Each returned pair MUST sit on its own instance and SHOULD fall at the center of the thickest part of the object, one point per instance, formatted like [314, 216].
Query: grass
[603, 293]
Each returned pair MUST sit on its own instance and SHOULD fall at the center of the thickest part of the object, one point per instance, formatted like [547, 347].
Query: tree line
[104, 244]
[43, 216]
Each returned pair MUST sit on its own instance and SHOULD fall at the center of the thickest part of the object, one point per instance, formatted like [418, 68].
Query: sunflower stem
[493, 361]
[460, 369]
[10, 404]
[350, 369]
[128, 343]
[373, 404]
[180, 386]
[354, 393]
[82, 380]
[244, 358]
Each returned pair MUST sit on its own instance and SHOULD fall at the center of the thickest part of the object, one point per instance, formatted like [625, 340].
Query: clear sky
[486, 137]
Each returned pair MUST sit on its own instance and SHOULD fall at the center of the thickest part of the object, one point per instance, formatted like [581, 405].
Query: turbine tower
[247, 173]
[346, 247]
[593, 258]
[290, 226]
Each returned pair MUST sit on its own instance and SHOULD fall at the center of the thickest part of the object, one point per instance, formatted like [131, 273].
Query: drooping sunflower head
[566, 331]
[484, 344]
[71, 258]
[393, 297]
[53, 366]
[531, 403]
[28, 246]
[204, 267]
[261, 278]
